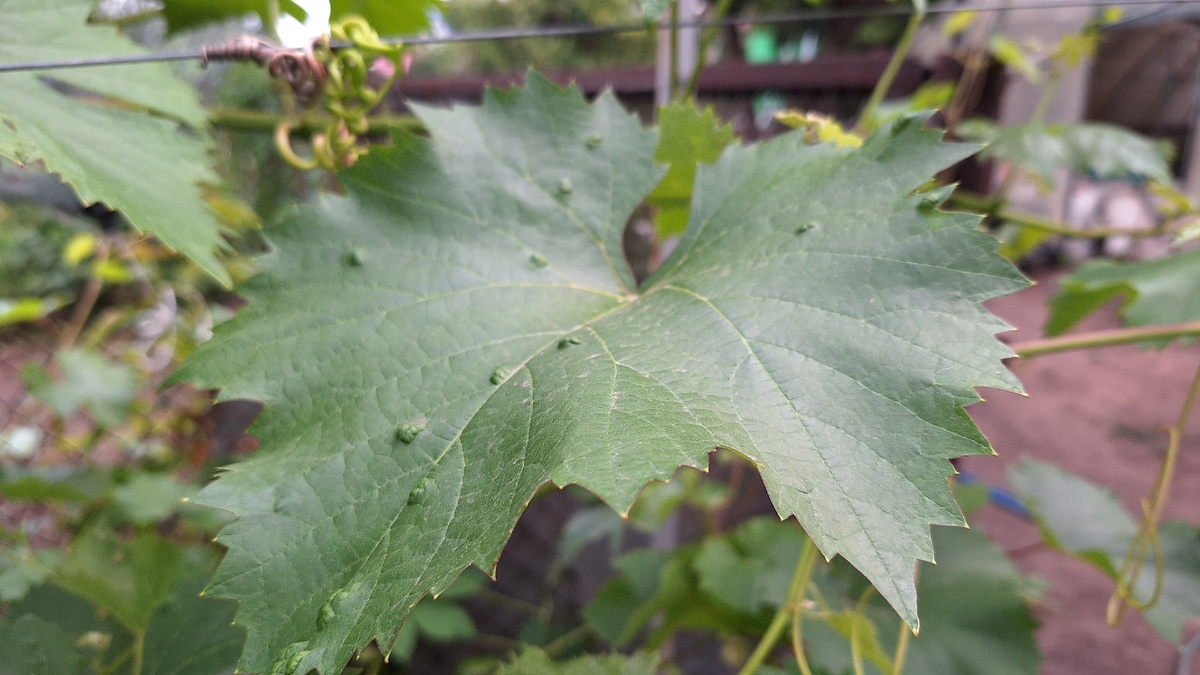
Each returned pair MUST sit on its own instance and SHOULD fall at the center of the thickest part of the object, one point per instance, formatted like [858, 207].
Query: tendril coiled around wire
[347, 93]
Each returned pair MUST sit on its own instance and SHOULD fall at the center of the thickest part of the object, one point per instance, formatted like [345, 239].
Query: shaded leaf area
[440, 620]
[120, 496]
[687, 138]
[34, 646]
[184, 14]
[733, 584]
[1085, 519]
[534, 661]
[1098, 151]
[729, 585]
[118, 591]
[1166, 290]
[460, 329]
[111, 132]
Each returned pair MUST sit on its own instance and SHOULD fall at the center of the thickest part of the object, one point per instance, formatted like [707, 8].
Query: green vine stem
[272, 27]
[1043, 104]
[892, 69]
[808, 561]
[1146, 538]
[1105, 338]
[905, 637]
[990, 206]
[795, 595]
[856, 657]
[705, 44]
[139, 652]
[798, 639]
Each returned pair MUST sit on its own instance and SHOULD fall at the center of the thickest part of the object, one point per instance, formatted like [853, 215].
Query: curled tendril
[343, 82]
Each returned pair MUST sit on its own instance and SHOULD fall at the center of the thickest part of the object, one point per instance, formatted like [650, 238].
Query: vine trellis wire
[580, 30]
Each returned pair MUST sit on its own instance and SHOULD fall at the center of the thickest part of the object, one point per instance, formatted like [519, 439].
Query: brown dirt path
[1099, 414]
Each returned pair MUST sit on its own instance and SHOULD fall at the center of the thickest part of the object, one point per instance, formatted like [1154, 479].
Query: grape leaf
[460, 329]
[1154, 292]
[119, 150]
[190, 634]
[975, 611]
[975, 616]
[387, 16]
[89, 379]
[148, 498]
[1099, 151]
[687, 137]
[33, 646]
[185, 634]
[129, 580]
[1085, 519]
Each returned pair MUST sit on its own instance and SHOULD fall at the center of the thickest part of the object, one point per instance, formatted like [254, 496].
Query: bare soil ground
[1097, 413]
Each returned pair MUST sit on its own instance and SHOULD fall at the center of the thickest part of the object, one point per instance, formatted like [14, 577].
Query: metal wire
[578, 30]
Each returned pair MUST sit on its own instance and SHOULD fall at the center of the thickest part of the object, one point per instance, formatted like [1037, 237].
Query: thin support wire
[579, 30]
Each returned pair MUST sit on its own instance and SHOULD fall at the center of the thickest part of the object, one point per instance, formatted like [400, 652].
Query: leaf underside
[112, 143]
[460, 328]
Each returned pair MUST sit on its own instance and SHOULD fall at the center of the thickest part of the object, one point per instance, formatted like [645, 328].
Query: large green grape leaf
[459, 329]
[121, 150]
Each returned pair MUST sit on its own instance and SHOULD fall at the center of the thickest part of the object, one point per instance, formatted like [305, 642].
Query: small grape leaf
[750, 569]
[89, 379]
[22, 569]
[129, 580]
[148, 498]
[1166, 290]
[1085, 519]
[1098, 151]
[687, 138]
[460, 329]
[119, 150]
[388, 16]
